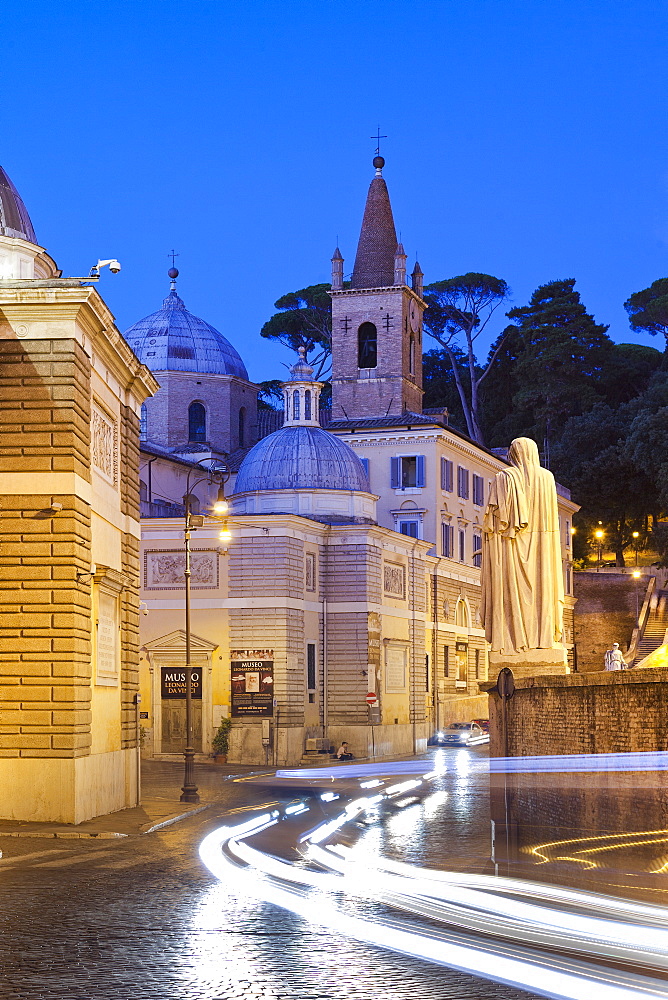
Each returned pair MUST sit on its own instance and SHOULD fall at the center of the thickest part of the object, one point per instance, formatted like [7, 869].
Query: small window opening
[196, 422]
[367, 346]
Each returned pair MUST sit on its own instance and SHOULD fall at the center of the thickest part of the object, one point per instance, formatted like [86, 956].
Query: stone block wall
[605, 613]
[614, 712]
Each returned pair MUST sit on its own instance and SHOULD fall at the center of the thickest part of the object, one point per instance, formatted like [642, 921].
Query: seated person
[343, 753]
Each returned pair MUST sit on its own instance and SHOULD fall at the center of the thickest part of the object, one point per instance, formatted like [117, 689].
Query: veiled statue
[522, 582]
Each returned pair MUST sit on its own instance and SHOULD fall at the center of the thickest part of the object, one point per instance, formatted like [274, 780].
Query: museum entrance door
[174, 725]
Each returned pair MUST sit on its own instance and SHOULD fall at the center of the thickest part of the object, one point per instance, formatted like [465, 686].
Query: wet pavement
[141, 916]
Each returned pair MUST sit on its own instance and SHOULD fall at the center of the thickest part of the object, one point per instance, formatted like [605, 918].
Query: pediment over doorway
[172, 647]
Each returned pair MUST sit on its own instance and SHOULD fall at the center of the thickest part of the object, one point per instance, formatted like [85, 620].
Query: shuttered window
[407, 471]
[462, 482]
[446, 475]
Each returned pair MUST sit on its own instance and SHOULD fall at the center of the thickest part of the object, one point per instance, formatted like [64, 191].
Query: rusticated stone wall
[612, 712]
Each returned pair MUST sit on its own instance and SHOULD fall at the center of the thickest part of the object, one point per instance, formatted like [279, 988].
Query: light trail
[488, 929]
[568, 764]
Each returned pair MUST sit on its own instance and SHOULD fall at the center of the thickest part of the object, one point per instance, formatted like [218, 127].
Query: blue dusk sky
[526, 139]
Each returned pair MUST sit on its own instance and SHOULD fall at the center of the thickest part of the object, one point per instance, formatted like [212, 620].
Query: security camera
[113, 265]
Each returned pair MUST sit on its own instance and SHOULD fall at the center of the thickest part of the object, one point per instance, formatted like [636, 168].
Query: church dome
[301, 458]
[173, 340]
[14, 219]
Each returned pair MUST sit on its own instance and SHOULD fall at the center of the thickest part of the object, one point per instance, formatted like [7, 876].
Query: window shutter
[419, 470]
[444, 474]
[394, 473]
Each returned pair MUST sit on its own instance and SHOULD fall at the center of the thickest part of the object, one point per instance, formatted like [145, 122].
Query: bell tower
[377, 321]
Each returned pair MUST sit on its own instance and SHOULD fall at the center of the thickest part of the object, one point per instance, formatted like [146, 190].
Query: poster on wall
[252, 683]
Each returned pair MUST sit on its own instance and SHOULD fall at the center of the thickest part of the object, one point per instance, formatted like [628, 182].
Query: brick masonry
[615, 712]
[605, 613]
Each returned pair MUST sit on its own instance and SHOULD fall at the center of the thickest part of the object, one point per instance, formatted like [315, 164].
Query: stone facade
[614, 712]
[71, 392]
[395, 383]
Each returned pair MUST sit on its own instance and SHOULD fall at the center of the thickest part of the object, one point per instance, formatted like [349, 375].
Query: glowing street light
[636, 536]
[636, 576]
[599, 535]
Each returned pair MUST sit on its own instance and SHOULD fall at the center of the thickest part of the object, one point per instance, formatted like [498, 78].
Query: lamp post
[636, 577]
[598, 535]
[216, 473]
[636, 536]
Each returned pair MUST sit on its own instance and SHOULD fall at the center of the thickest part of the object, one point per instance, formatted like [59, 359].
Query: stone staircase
[653, 634]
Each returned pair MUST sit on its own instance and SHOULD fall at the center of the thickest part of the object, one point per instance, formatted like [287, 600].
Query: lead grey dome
[173, 340]
[14, 219]
[301, 458]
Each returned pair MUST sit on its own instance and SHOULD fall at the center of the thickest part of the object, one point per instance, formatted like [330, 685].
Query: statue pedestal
[531, 663]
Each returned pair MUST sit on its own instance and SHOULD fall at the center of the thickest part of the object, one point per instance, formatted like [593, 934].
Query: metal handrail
[639, 630]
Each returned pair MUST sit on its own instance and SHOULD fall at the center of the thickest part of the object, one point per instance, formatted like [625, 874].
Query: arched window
[143, 490]
[462, 614]
[196, 422]
[242, 426]
[295, 406]
[367, 346]
[143, 422]
[307, 405]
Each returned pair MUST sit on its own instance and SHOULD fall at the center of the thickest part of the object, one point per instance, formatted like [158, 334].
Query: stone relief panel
[394, 579]
[164, 569]
[104, 447]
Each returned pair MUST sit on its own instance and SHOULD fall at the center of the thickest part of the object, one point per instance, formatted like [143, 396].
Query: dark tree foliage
[270, 395]
[627, 372]
[439, 383]
[615, 460]
[592, 456]
[648, 309]
[659, 542]
[555, 359]
[304, 320]
[458, 311]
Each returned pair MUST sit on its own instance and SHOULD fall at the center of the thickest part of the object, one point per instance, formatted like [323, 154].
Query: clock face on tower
[414, 314]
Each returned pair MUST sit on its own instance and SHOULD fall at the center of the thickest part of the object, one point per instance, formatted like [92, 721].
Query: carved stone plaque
[107, 640]
[394, 579]
[164, 569]
[103, 445]
[395, 668]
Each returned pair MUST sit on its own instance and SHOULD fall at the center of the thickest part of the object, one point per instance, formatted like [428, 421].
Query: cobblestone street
[139, 916]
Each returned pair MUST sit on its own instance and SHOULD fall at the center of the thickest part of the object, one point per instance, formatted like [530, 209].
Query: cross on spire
[173, 255]
[378, 137]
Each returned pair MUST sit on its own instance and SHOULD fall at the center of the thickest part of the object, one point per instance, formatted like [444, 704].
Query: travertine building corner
[71, 392]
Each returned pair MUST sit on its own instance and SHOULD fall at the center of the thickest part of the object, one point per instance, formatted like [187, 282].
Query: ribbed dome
[14, 218]
[301, 458]
[173, 340]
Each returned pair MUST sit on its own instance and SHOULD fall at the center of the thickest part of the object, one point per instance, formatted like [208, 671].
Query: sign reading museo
[252, 682]
[173, 683]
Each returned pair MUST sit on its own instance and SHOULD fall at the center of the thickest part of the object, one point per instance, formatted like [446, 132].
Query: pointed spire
[374, 263]
[337, 270]
[417, 279]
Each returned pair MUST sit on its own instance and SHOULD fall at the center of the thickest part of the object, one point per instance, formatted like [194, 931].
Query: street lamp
[636, 536]
[217, 472]
[636, 577]
[598, 535]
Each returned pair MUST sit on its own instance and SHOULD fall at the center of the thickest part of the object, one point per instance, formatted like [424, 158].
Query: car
[462, 734]
[483, 723]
